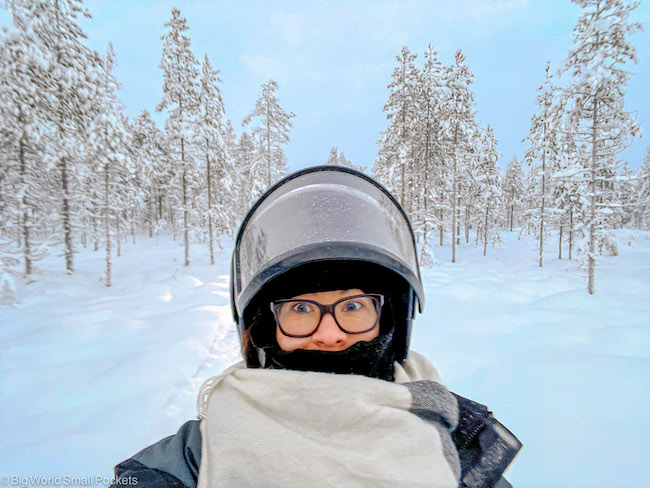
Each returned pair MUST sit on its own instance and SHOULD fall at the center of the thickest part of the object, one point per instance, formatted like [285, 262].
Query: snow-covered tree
[337, 158]
[542, 156]
[210, 136]
[249, 186]
[596, 98]
[271, 131]
[24, 185]
[180, 100]
[568, 193]
[642, 209]
[458, 129]
[153, 171]
[396, 152]
[513, 187]
[109, 138]
[431, 154]
[489, 178]
[69, 87]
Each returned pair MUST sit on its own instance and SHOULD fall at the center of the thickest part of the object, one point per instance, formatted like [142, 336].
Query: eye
[301, 307]
[352, 306]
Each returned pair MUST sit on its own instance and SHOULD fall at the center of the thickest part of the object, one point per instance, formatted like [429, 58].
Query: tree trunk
[186, 231]
[27, 251]
[133, 224]
[485, 229]
[94, 217]
[453, 199]
[560, 242]
[118, 221]
[210, 209]
[150, 219]
[107, 226]
[63, 167]
[591, 286]
[570, 233]
[467, 226]
[442, 214]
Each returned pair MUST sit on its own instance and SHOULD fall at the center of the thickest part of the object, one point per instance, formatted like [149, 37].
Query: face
[328, 336]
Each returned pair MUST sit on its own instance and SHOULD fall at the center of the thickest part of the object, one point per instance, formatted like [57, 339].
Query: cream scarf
[280, 428]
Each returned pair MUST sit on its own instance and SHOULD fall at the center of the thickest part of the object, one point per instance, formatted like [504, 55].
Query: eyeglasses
[353, 315]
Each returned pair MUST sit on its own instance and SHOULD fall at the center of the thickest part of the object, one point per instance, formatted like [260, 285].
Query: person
[325, 285]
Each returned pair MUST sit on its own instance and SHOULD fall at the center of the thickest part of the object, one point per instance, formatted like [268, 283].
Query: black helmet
[332, 218]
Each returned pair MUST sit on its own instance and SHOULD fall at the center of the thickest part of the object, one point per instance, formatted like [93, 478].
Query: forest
[76, 172]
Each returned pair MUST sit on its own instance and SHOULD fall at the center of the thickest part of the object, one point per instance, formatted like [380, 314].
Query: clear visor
[319, 212]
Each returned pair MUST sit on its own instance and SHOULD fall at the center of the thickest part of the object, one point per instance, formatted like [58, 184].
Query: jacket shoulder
[172, 462]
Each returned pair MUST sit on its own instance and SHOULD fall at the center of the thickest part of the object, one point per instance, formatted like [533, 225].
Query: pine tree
[458, 129]
[490, 188]
[400, 111]
[543, 155]
[596, 95]
[108, 137]
[432, 169]
[180, 73]
[211, 140]
[642, 213]
[69, 88]
[24, 178]
[513, 188]
[152, 162]
[569, 190]
[333, 157]
[250, 187]
[271, 132]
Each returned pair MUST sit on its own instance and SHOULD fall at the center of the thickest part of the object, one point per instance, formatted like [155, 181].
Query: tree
[596, 97]
[271, 132]
[211, 141]
[490, 188]
[180, 72]
[24, 190]
[458, 128]
[108, 137]
[513, 188]
[543, 155]
[642, 214]
[400, 111]
[69, 86]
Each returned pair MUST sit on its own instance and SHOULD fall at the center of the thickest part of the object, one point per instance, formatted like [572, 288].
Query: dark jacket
[485, 448]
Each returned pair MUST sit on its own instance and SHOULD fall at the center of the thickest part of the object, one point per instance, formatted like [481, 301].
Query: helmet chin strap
[373, 358]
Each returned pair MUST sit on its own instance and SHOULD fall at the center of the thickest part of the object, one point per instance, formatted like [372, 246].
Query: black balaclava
[373, 358]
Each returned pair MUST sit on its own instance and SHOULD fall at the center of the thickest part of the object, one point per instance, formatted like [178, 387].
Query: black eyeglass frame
[324, 309]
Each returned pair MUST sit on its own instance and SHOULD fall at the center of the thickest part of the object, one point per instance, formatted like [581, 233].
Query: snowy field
[90, 375]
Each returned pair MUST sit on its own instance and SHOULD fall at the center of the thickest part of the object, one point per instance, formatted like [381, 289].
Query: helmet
[326, 217]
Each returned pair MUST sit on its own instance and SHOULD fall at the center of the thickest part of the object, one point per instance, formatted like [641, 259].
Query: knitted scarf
[283, 428]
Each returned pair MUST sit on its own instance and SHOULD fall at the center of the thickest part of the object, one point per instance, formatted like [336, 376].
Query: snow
[89, 375]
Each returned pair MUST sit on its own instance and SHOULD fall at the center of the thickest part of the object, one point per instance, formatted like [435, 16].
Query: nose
[329, 335]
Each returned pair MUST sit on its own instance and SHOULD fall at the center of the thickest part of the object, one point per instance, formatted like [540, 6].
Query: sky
[333, 60]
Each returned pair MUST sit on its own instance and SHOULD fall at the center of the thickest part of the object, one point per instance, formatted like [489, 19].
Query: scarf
[284, 428]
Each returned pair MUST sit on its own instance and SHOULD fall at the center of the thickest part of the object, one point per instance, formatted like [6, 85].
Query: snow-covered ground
[89, 375]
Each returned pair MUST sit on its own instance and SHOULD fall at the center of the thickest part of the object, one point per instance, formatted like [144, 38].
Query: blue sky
[333, 60]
